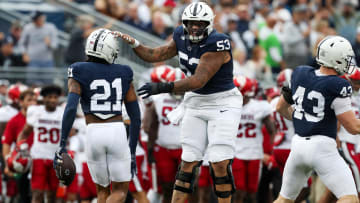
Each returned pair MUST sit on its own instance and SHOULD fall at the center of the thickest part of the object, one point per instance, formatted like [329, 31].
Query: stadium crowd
[269, 39]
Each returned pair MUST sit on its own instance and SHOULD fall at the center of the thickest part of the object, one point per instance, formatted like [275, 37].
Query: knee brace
[229, 179]
[187, 177]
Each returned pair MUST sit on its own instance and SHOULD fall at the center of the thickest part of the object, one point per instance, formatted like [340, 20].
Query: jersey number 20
[106, 106]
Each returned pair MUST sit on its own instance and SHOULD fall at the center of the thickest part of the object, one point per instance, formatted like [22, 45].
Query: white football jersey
[249, 142]
[344, 135]
[282, 125]
[7, 112]
[168, 134]
[47, 128]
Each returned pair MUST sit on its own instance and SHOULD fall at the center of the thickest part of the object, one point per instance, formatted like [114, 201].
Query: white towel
[176, 115]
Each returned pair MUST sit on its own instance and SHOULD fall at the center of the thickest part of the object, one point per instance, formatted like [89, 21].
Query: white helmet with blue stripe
[102, 44]
[200, 12]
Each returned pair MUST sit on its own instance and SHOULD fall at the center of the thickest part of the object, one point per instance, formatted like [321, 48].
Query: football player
[12, 130]
[249, 144]
[321, 99]
[212, 104]
[45, 120]
[103, 86]
[282, 140]
[167, 150]
[12, 108]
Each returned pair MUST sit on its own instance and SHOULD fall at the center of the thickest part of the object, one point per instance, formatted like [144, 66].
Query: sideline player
[321, 99]
[12, 130]
[103, 87]
[247, 164]
[167, 150]
[212, 103]
[45, 120]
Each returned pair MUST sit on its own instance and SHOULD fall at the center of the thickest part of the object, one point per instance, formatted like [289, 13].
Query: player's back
[103, 86]
[47, 127]
[314, 94]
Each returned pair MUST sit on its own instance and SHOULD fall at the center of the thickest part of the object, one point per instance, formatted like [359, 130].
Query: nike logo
[201, 46]
[222, 111]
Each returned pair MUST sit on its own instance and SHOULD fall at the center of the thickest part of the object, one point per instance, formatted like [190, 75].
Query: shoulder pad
[217, 42]
[178, 32]
[340, 87]
[74, 71]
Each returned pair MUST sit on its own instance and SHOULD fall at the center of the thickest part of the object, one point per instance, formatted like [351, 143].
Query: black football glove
[155, 88]
[58, 157]
[133, 166]
[286, 92]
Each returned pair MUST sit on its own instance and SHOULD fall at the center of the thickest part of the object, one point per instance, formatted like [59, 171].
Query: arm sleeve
[68, 117]
[133, 110]
[341, 105]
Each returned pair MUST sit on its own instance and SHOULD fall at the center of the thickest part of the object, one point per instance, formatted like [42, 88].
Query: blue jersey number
[106, 106]
[318, 109]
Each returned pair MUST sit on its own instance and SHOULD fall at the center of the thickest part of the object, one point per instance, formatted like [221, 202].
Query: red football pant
[43, 175]
[247, 174]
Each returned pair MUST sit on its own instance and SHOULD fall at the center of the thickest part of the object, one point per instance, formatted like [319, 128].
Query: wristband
[136, 44]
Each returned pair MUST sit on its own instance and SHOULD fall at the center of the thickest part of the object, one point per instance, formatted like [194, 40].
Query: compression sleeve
[68, 117]
[132, 108]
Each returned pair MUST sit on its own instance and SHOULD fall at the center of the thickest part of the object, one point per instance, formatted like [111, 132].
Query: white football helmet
[102, 44]
[336, 52]
[198, 11]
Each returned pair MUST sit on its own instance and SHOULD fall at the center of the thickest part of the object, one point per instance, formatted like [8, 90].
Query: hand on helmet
[127, 38]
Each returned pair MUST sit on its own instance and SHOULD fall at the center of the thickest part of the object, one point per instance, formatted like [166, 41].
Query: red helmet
[175, 75]
[245, 85]
[19, 160]
[272, 92]
[159, 74]
[355, 75]
[284, 77]
[14, 92]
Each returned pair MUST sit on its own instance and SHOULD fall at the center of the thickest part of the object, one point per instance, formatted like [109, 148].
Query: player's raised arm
[148, 54]
[209, 64]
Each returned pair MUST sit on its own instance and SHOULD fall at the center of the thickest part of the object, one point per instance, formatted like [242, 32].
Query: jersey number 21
[106, 106]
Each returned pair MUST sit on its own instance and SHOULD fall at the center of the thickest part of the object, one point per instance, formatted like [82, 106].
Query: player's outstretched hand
[152, 88]
[133, 165]
[127, 38]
